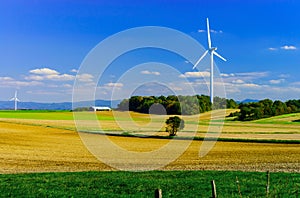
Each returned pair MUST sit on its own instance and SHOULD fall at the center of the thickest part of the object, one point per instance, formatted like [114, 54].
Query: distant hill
[248, 100]
[57, 106]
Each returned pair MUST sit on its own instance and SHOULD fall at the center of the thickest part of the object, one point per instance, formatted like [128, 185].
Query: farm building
[94, 108]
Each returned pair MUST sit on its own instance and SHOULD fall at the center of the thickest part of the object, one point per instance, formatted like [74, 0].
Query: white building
[94, 108]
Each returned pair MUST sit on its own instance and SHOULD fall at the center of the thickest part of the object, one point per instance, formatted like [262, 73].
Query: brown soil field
[43, 148]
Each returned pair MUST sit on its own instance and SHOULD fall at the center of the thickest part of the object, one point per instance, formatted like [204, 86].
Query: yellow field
[53, 145]
[142, 124]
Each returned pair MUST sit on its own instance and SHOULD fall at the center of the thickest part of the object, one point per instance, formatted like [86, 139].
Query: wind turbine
[16, 100]
[212, 51]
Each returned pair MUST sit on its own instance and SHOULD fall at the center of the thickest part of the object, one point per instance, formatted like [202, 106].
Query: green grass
[61, 115]
[143, 184]
[67, 115]
[46, 115]
[287, 119]
[38, 114]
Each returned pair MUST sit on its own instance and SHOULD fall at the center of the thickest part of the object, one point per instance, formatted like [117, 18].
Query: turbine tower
[212, 51]
[16, 100]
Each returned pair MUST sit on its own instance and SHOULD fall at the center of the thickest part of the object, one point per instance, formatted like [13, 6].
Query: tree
[279, 108]
[174, 124]
[135, 103]
[179, 105]
[266, 106]
[231, 104]
[124, 105]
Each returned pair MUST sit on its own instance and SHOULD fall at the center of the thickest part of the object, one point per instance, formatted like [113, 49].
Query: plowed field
[26, 147]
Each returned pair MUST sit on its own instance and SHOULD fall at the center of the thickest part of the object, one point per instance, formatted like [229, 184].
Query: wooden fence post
[238, 185]
[158, 193]
[214, 189]
[268, 183]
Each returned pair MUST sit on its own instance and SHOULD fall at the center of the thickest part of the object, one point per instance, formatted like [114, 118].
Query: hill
[247, 101]
[57, 106]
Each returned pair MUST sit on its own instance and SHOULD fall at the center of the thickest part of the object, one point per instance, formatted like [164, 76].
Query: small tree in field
[174, 124]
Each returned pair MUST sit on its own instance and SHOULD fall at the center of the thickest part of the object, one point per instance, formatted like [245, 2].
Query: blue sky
[43, 44]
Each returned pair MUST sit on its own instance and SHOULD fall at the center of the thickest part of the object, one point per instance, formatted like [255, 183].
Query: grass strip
[143, 184]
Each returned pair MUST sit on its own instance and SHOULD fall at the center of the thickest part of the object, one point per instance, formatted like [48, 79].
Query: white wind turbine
[213, 52]
[16, 100]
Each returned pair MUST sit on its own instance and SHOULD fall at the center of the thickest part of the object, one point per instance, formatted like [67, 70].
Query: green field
[37, 114]
[282, 119]
[66, 115]
[143, 184]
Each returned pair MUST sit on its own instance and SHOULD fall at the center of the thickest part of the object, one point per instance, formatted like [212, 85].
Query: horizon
[246, 99]
[44, 44]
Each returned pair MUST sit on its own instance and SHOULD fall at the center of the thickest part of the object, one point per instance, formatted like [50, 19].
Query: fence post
[214, 190]
[238, 185]
[268, 183]
[158, 193]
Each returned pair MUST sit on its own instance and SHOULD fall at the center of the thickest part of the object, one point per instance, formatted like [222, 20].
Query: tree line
[174, 105]
[191, 105]
[265, 108]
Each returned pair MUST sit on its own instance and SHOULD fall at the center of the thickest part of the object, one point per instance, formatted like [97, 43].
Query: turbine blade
[200, 59]
[12, 99]
[218, 55]
[208, 34]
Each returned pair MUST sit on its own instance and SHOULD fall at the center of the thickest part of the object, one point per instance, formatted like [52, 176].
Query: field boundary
[128, 134]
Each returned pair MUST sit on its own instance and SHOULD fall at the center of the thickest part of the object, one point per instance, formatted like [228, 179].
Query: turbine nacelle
[213, 49]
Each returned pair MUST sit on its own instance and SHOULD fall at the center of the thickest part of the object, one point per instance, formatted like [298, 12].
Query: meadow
[36, 142]
[143, 184]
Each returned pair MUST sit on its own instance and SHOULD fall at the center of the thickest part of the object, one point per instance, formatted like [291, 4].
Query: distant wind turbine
[16, 100]
[213, 52]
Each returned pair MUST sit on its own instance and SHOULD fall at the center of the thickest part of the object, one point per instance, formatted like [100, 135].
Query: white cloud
[239, 78]
[34, 77]
[284, 75]
[238, 81]
[227, 75]
[278, 81]
[285, 47]
[296, 83]
[253, 74]
[44, 92]
[10, 82]
[117, 85]
[272, 49]
[60, 77]
[53, 77]
[201, 31]
[288, 47]
[6, 78]
[146, 72]
[211, 30]
[195, 74]
[85, 77]
[67, 85]
[250, 85]
[216, 31]
[49, 74]
[16, 83]
[74, 70]
[44, 71]
[111, 91]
